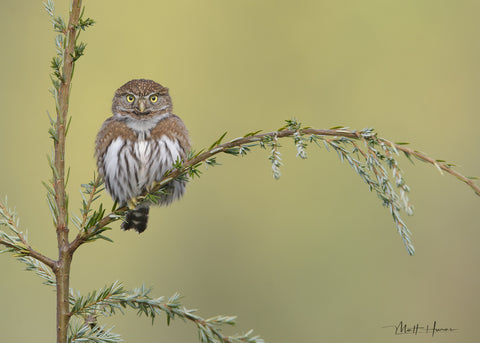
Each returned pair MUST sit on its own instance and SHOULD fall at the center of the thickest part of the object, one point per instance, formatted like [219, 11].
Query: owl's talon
[132, 203]
[152, 186]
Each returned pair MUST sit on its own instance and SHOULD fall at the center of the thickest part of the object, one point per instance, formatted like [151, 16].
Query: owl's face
[141, 100]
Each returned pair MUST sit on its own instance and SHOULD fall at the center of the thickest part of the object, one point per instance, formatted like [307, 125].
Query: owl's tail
[136, 219]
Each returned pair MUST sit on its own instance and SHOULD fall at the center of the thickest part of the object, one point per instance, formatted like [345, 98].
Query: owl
[137, 145]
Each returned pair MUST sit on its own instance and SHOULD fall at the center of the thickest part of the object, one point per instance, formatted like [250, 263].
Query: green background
[312, 257]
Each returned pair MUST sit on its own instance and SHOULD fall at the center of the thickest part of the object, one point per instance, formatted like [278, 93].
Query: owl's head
[141, 99]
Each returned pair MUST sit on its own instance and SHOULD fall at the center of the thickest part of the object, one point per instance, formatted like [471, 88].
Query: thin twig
[90, 201]
[438, 165]
[28, 250]
[82, 236]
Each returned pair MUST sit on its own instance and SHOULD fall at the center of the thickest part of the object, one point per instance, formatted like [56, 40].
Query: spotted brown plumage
[137, 145]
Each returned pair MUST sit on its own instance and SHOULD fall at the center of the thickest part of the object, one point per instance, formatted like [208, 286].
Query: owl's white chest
[129, 166]
[142, 150]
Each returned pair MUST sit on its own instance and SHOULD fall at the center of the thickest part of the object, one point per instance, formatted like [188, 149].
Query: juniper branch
[18, 244]
[114, 297]
[88, 225]
[319, 132]
[41, 269]
[92, 189]
[292, 129]
[84, 332]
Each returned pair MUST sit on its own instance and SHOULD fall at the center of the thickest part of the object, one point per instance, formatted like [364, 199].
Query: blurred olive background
[312, 257]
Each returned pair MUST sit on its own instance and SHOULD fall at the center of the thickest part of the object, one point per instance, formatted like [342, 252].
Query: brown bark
[62, 266]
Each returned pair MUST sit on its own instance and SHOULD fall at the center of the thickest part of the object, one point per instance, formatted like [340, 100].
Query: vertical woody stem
[62, 266]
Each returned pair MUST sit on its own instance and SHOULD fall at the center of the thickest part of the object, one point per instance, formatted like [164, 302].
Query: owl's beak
[141, 105]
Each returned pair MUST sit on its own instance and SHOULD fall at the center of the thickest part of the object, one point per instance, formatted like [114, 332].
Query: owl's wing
[173, 129]
[109, 132]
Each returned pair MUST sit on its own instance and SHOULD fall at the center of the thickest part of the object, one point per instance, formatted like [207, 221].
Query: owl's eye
[154, 98]
[130, 98]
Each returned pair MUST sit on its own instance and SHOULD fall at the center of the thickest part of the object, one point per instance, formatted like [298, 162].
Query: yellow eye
[130, 98]
[154, 98]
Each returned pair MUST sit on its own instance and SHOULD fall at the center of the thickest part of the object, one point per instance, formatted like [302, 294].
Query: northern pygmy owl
[137, 145]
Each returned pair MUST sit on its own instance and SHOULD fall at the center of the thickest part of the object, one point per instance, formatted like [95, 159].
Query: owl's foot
[132, 203]
[152, 186]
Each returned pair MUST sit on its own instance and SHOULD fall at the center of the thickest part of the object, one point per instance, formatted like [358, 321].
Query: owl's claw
[132, 203]
[152, 186]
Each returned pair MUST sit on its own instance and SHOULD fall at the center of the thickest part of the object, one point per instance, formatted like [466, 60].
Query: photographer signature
[403, 329]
